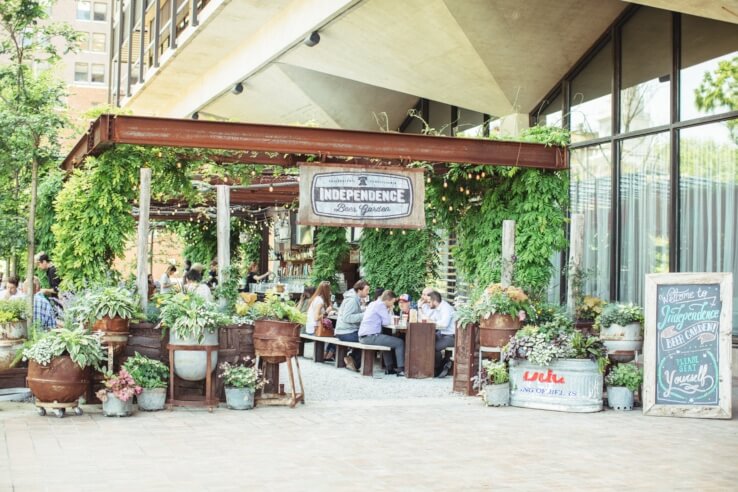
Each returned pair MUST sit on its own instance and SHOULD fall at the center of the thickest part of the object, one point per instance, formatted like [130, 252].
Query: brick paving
[415, 443]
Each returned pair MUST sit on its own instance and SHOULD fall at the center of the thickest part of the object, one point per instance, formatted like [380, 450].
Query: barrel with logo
[565, 385]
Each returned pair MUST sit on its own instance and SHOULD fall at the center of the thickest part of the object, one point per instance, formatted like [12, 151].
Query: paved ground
[411, 442]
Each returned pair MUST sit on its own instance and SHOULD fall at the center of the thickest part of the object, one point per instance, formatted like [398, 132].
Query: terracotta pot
[61, 381]
[496, 330]
[275, 340]
[584, 326]
[113, 326]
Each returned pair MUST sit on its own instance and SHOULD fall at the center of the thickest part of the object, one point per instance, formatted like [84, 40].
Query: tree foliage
[331, 248]
[720, 89]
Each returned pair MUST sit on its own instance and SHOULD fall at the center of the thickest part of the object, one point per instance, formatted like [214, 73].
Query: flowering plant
[122, 385]
[588, 308]
[241, 376]
[497, 299]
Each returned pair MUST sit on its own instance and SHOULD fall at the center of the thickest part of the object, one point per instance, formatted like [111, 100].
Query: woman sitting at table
[376, 316]
[320, 306]
[350, 315]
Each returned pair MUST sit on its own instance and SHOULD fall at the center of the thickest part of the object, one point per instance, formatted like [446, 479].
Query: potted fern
[152, 376]
[622, 382]
[241, 382]
[191, 320]
[117, 395]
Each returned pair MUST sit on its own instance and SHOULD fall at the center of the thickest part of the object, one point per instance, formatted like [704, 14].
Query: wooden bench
[368, 352]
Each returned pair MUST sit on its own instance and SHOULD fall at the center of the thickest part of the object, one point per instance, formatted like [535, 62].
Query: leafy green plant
[82, 346]
[227, 290]
[12, 310]
[627, 375]
[588, 308]
[496, 372]
[48, 189]
[148, 373]
[276, 309]
[96, 303]
[620, 314]
[331, 248]
[402, 261]
[190, 316]
[496, 299]
[589, 347]
[241, 376]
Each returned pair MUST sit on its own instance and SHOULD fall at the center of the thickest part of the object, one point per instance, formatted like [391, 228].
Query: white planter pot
[566, 385]
[191, 365]
[622, 338]
[497, 395]
[152, 399]
[619, 398]
[13, 330]
[113, 407]
[239, 398]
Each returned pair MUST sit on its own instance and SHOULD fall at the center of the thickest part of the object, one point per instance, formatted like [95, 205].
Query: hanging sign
[687, 346]
[340, 195]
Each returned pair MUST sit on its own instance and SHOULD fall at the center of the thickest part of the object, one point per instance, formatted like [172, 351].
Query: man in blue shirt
[376, 316]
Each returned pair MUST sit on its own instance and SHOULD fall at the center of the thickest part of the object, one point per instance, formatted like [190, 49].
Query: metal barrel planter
[191, 365]
[8, 350]
[61, 381]
[622, 338]
[496, 330]
[114, 407]
[619, 398]
[565, 385]
[152, 399]
[13, 330]
[276, 340]
[116, 328]
[239, 398]
[497, 395]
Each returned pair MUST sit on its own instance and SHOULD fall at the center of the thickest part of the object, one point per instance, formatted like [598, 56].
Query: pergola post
[576, 245]
[224, 230]
[508, 252]
[142, 276]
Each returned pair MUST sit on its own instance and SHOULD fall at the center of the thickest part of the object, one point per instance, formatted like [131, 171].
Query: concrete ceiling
[375, 56]
[722, 10]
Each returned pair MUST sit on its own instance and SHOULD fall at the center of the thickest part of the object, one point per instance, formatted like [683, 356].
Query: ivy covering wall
[331, 248]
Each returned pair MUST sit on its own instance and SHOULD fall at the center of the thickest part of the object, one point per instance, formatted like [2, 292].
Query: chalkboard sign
[687, 345]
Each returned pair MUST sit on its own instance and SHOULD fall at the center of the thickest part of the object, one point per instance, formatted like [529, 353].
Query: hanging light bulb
[484, 174]
[478, 177]
[461, 189]
[468, 176]
[392, 233]
[434, 221]
[443, 198]
[179, 165]
[467, 192]
[445, 184]
[403, 232]
[429, 179]
[450, 208]
[253, 173]
[271, 188]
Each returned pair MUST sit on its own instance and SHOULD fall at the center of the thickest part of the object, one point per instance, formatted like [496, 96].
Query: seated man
[350, 315]
[424, 304]
[370, 331]
[404, 303]
[43, 312]
[12, 292]
[444, 316]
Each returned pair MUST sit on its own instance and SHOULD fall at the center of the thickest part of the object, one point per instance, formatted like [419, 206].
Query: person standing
[444, 316]
[376, 316]
[320, 306]
[350, 315]
[44, 263]
[165, 282]
[253, 276]
[213, 274]
[193, 285]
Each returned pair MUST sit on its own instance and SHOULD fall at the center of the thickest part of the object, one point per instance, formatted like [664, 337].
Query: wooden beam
[186, 133]
[224, 231]
[508, 252]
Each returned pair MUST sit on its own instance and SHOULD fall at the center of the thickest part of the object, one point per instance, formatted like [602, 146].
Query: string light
[443, 198]
[179, 165]
[450, 208]
[271, 188]
[468, 176]
[461, 189]
[478, 177]
[392, 233]
[445, 184]
[429, 180]
[484, 174]
[434, 221]
[467, 192]
[403, 232]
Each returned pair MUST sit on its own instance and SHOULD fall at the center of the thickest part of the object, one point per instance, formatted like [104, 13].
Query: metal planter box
[566, 385]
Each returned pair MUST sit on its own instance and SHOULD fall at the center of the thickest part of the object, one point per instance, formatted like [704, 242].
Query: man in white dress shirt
[444, 316]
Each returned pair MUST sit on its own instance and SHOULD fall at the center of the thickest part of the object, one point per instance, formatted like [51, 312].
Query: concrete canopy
[375, 56]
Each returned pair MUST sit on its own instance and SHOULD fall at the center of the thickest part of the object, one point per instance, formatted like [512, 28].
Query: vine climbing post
[576, 243]
[224, 230]
[508, 252]
[142, 277]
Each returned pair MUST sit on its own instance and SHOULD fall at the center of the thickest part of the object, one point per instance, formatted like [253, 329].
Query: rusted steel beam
[323, 142]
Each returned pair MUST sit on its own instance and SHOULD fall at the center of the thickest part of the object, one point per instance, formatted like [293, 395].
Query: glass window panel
[644, 212]
[101, 12]
[98, 42]
[551, 113]
[591, 195]
[83, 10]
[706, 44]
[708, 201]
[646, 69]
[81, 72]
[591, 98]
[98, 73]
[84, 41]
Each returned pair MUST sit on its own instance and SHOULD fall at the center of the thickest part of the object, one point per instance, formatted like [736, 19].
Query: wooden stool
[280, 398]
[209, 400]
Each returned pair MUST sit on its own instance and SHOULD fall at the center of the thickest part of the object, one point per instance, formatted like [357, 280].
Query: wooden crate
[13, 378]
[466, 359]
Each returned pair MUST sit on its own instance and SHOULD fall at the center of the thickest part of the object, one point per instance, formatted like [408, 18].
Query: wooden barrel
[275, 340]
[113, 326]
[496, 330]
[61, 381]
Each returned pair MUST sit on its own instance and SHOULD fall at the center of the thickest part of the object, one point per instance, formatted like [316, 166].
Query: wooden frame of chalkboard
[687, 345]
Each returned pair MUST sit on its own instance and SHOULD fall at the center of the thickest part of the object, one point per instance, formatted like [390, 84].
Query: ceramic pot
[619, 398]
[275, 340]
[61, 381]
[496, 330]
[114, 327]
[191, 365]
[8, 350]
[497, 395]
[113, 407]
[239, 398]
[13, 330]
[622, 338]
[152, 399]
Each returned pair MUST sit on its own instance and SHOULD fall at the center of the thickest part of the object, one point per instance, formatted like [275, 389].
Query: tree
[720, 89]
[31, 99]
